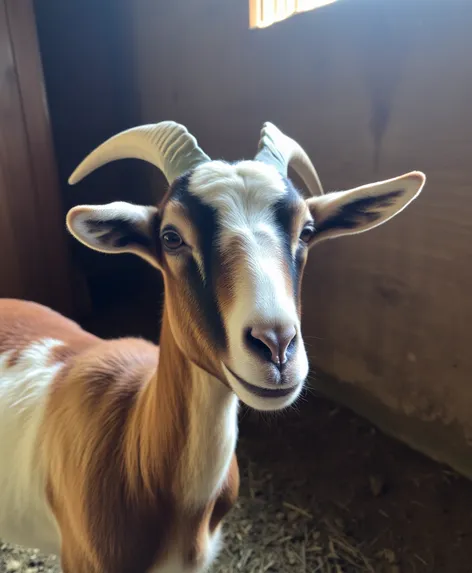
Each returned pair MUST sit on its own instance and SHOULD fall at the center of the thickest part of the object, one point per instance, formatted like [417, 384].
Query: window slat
[264, 13]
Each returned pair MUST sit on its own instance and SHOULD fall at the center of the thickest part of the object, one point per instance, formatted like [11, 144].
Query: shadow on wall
[87, 60]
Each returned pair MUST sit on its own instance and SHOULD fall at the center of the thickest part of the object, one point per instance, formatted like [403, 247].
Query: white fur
[409, 185]
[138, 215]
[243, 196]
[212, 436]
[263, 404]
[237, 191]
[25, 518]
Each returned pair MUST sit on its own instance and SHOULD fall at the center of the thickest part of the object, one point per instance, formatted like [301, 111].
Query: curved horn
[167, 145]
[281, 151]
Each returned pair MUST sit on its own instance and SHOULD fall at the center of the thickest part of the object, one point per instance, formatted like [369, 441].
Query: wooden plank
[16, 183]
[10, 278]
[44, 192]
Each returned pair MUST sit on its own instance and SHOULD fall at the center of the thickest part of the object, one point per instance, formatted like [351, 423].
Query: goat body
[117, 455]
[103, 459]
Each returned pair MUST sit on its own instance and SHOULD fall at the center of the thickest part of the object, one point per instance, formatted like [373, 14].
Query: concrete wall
[371, 89]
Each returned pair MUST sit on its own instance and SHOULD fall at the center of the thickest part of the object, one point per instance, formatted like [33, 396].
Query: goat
[119, 455]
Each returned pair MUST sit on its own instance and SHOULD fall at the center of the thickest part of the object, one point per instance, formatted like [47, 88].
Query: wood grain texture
[371, 90]
[32, 214]
[16, 168]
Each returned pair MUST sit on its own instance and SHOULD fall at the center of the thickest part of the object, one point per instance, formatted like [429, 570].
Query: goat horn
[279, 150]
[167, 145]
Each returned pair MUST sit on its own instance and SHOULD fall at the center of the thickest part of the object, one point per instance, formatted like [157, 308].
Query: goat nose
[272, 343]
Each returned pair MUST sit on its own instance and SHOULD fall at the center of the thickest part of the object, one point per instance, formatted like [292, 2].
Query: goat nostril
[291, 346]
[272, 343]
[257, 345]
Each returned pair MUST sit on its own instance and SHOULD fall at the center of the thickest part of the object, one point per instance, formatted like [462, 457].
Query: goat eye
[172, 240]
[307, 234]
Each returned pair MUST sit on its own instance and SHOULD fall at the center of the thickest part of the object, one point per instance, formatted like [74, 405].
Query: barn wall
[87, 55]
[371, 90]
[34, 263]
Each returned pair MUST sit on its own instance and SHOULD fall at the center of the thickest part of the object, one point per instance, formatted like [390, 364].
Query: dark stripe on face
[285, 217]
[179, 188]
[204, 220]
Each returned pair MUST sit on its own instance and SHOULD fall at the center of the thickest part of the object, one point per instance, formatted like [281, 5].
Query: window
[264, 13]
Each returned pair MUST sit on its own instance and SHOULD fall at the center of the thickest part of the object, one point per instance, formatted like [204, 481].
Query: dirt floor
[323, 491]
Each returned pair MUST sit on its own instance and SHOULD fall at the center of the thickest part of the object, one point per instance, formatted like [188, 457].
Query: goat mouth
[263, 392]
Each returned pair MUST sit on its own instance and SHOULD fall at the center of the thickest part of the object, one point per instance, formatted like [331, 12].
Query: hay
[267, 533]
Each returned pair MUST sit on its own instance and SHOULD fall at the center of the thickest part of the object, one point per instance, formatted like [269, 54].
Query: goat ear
[363, 208]
[116, 228]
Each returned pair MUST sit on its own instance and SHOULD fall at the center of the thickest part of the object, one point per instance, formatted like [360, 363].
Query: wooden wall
[87, 53]
[371, 89]
[34, 261]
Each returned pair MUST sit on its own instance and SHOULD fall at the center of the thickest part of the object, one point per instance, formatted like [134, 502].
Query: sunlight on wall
[264, 13]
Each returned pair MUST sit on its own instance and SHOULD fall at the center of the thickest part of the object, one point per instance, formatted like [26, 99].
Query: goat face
[231, 241]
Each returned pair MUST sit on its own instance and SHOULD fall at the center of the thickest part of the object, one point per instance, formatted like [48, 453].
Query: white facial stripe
[261, 297]
[243, 188]
[261, 286]
[244, 197]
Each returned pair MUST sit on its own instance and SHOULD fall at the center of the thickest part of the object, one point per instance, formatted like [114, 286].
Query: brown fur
[19, 329]
[114, 431]
[182, 308]
[230, 267]
[183, 319]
